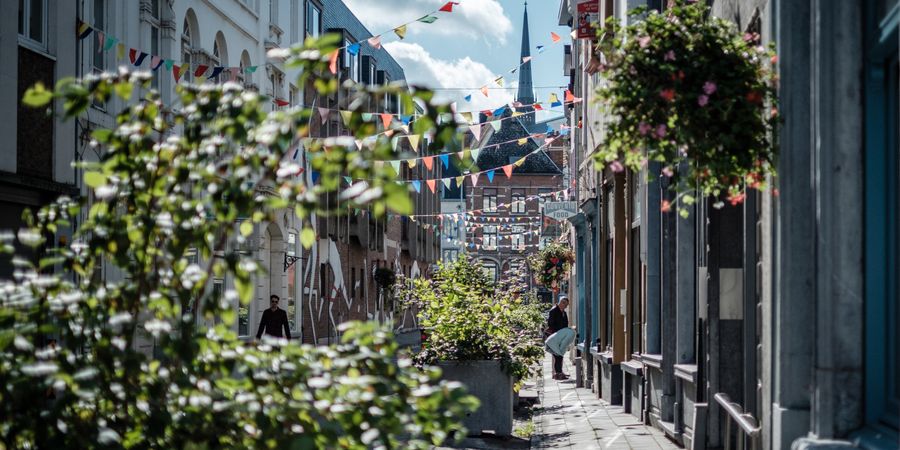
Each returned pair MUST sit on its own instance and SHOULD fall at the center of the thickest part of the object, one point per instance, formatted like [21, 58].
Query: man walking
[557, 320]
[274, 320]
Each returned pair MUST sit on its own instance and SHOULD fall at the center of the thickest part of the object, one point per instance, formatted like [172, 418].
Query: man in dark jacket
[557, 319]
[274, 320]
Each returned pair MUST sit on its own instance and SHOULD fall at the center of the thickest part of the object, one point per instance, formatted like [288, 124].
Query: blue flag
[417, 185]
[445, 160]
[315, 176]
[353, 49]
[469, 98]
[490, 176]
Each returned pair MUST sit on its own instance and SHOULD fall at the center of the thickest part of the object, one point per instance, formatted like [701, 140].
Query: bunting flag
[427, 19]
[83, 30]
[250, 69]
[314, 176]
[155, 62]
[396, 166]
[476, 131]
[323, 114]
[537, 107]
[523, 141]
[411, 163]
[177, 70]
[467, 116]
[110, 43]
[429, 162]
[101, 39]
[468, 98]
[201, 69]
[332, 62]
[540, 49]
[484, 90]
[555, 37]
[445, 160]
[132, 55]
[375, 42]
[170, 64]
[431, 185]
[459, 180]
[517, 114]
[508, 170]
[526, 59]
[280, 102]
[475, 152]
[490, 176]
[474, 178]
[417, 185]
[499, 81]
[386, 119]
[120, 50]
[448, 7]
[447, 182]
[569, 97]
[553, 99]
[353, 49]
[414, 141]
[496, 124]
[367, 117]
[216, 71]
[499, 111]
[346, 116]
[140, 59]
[400, 31]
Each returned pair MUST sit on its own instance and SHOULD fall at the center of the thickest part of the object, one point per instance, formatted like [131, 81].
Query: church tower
[525, 95]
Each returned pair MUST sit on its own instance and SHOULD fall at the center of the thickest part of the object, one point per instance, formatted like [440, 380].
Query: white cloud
[474, 19]
[425, 70]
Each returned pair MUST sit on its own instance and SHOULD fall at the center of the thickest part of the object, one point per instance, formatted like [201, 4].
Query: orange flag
[484, 90]
[332, 63]
[386, 119]
[507, 169]
[431, 184]
[429, 163]
[569, 97]
[555, 37]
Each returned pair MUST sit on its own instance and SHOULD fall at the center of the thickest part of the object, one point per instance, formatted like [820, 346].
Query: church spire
[525, 94]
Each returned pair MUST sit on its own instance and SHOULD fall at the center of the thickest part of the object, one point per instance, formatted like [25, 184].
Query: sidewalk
[568, 417]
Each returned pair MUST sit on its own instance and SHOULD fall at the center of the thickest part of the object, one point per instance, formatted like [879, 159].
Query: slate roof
[336, 15]
[512, 130]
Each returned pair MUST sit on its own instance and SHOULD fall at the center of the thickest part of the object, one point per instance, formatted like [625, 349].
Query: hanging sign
[560, 210]
[588, 16]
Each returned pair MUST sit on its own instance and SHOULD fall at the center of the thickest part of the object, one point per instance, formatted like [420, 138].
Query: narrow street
[568, 418]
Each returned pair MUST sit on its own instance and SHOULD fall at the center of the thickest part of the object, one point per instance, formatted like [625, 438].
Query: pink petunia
[644, 128]
[667, 171]
[670, 55]
[702, 100]
[644, 41]
[661, 131]
[616, 166]
[709, 88]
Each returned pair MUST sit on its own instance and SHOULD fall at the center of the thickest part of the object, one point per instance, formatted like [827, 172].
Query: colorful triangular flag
[332, 62]
[490, 176]
[445, 160]
[496, 124]
[468, 98]
[431, 185]
[526, 59]
[353, 49]
[554, 37]
[508, 170]
[396, 166]
[346, 116]
[429, 162]
[386, 119]
[400, 31]
[375, 42]
[216, 71]
[484, 90]
[474, 178]
[411, 163]
[414, 141]
[476, 130]
[417, 185]
[447, 182]
[427, 19]
[448, 7]
[323, 114]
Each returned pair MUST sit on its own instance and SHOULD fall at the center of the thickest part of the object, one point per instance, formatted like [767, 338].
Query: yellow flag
[554, 98]
[499, 81]
[523, 141]
[517, 114]
[459, 180]
[519, 162]
[411, 163]
[467, 116]
[400, 31]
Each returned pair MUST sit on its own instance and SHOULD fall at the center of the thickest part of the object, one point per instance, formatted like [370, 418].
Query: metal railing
[746, 433]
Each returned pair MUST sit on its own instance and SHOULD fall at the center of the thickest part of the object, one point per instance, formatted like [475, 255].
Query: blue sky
[478, 42]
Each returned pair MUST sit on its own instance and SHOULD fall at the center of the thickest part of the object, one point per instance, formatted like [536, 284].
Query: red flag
[281, 102]
[176, 71]
[507, 169]
[429, 163]
[555, 37]
[537, 107]
[132, 54]
[201, 69]
[431, 184]
[448, 7]
[332, 63]
[386, 119]
[569, 97]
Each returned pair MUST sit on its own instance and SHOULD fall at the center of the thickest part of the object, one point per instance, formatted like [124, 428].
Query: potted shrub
[478, 335]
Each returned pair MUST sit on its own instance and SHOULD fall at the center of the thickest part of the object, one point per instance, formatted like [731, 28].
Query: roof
[336, 15]
[510, 151]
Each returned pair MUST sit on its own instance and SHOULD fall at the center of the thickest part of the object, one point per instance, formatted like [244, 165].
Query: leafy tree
[194, 179]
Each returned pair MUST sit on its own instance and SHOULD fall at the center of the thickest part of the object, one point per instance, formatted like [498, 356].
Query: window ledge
[654, 361]
[687, 372]
[35, 47]
[633, 367]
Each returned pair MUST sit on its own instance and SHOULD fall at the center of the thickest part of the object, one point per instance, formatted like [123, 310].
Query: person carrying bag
[560, 336]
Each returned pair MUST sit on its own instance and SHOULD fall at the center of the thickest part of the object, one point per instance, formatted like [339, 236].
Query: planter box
[487, 381]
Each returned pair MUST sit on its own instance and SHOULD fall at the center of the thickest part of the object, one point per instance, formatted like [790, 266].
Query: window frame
[307, 19]
[489, 235]
[489, 201]
[24, 34]
[517, 201]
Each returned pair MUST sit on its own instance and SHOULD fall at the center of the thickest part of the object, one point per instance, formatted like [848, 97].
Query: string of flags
[464, 215]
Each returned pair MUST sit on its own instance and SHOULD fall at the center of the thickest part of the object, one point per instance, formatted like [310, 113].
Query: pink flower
[665, 206]
[644, 41]
[616, 166]
[661, 131]
[702, 100]
[709, 88]
[644, 128]
[667, 171]
[670, 55]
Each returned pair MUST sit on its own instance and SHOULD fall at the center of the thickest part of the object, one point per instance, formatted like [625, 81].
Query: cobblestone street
[568, 417]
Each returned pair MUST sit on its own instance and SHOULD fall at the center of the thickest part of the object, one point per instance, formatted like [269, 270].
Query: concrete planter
[487, 381]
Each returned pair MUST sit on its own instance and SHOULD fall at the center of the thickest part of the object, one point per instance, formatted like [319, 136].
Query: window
[489, 237]
[489, 201]
[291, 275]
[517, 202]
[490, 269]
[154, 41]
[450, 255]
[517, 238]
[99, 17]
[273, 11]
[217, 60]
[33, 22]
[313, 19]
[187, 49]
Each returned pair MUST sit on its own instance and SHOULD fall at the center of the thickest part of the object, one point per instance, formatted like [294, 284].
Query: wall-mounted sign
[587, 17]
[560, 210]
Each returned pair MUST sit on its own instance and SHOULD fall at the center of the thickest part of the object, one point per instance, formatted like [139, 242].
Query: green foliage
[552, 264]
[468, 318]
[688, 91]
[173, 183]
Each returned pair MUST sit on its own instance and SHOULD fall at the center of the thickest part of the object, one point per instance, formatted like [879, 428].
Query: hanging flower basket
[552, 264]
[693, 93]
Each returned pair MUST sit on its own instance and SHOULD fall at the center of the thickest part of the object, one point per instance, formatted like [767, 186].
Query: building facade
[771, 323]
[211, 42]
